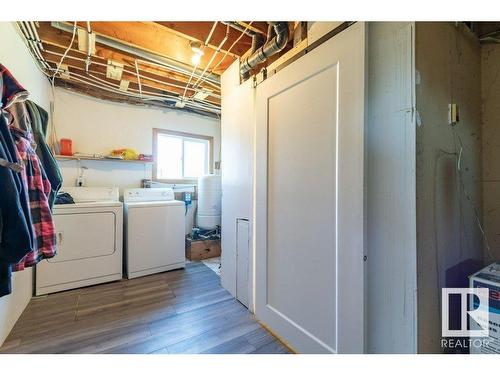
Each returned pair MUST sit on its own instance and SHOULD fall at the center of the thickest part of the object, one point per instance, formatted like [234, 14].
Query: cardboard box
[199, 249]
[488, 277]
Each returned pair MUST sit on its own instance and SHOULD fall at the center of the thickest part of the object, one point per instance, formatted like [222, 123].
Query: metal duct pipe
[257, 42]
[272, 46]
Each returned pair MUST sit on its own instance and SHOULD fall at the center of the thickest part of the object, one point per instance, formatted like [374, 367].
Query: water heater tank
[209, 201]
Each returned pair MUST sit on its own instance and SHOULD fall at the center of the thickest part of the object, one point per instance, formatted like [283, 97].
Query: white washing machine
[154, 231]
[89, 237]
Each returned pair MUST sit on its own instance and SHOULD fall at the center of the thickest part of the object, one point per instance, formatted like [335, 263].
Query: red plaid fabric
[39, 189]
[12, 91]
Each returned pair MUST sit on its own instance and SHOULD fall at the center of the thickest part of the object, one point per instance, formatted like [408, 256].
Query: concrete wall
[449, 243]
[97, 126]
[490, 88]
[15, 56]
[390, 190]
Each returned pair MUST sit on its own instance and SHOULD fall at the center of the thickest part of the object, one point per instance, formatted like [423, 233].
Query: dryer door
[84, 235]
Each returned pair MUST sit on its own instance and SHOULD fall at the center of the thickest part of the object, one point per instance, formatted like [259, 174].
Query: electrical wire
[198, 62]
[202, 78]
[469, 197]
[53, 133]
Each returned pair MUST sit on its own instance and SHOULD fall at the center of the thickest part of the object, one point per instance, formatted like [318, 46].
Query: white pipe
[216, 86]
[138, 77]
[203, 79]
[149, 56]
[213, 56]
[28, 34]
[89, 52]
[210, 34]
[206, 67]
[37, 37]
[65, 52]
[126, 70]
[107, 86]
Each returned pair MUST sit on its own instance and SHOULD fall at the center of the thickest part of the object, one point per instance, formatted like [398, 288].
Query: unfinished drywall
[449, 243]
[15, 56]
[238, 128]
[490, 88]
[390, 190]
[97, 126]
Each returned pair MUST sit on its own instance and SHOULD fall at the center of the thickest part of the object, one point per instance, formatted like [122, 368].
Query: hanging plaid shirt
[11, 90]
[38, 190]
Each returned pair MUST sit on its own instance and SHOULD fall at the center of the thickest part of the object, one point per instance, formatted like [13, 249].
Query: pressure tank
[209, 201]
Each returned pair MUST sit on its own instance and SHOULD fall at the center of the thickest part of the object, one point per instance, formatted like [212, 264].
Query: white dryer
[154, 231]
[89, 237]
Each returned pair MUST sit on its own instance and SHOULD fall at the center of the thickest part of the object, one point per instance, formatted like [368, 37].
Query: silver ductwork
[277, 38]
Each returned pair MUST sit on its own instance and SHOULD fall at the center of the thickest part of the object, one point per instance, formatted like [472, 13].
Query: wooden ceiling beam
[256, 27]
[75, 58]
[200, 30]
[146, 84]
[57, 41]
[152, 37]
[119, 98]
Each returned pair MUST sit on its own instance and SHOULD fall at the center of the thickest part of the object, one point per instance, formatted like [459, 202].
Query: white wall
[15, 56]
[390, 190]
[238, 128]
[97, 126]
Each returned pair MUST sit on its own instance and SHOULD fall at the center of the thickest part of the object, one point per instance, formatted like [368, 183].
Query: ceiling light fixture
[197, 49]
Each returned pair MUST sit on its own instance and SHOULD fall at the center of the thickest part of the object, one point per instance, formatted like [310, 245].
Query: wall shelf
[90, 158]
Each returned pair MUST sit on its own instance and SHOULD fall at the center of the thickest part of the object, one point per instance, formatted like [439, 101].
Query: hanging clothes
[39, 121]
[39, 190]
[17, 114]
[26, 228]
[16, 230]
[12, 91]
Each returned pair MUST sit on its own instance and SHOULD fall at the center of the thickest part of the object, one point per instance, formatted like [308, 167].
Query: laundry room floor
[182, 311]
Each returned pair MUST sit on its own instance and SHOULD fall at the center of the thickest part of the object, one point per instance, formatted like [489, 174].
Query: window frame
[158, 131]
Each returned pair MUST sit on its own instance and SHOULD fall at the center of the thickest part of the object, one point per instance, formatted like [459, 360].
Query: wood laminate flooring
[182, 311]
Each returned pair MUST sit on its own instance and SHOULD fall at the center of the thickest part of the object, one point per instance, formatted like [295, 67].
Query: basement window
[181, 156]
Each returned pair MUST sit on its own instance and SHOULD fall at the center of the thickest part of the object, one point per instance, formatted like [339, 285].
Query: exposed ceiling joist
[58, 43]
[144, 61]
[153, 37]
[199, 31]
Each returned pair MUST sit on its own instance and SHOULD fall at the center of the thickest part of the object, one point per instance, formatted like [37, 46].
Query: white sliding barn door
[309, 198]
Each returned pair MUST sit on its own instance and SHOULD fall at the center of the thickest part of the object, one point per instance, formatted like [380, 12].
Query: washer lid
[130, 205]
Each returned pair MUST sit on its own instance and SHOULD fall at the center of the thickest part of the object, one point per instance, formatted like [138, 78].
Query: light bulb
[195, 59]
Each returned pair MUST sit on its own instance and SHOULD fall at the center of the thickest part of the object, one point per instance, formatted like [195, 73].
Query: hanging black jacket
[39, 120]
[16, 230]
[16, 236]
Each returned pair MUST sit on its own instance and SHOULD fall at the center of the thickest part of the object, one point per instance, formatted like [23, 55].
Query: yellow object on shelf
[125, 153]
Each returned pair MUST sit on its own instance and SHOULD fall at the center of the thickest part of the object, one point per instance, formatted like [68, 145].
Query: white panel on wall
[390, 190]
[242, 260]
[14, 56]
[237, 134]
